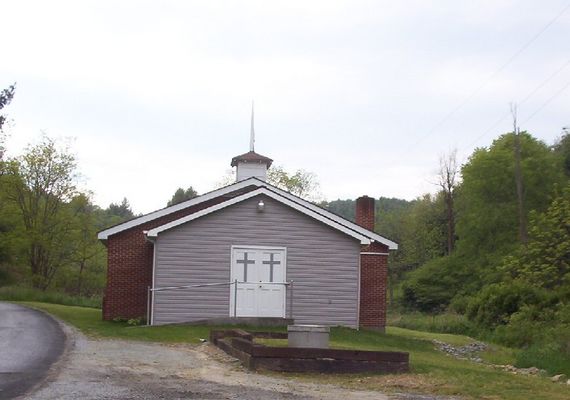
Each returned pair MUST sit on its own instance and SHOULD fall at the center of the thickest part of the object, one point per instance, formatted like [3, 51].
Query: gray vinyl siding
[322, 262]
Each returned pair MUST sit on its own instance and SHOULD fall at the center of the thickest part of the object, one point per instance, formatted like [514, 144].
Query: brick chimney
[373, 271]
[365, 212]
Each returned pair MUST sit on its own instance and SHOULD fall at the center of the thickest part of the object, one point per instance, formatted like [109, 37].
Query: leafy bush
[542, 323]
[15, 293]
[438, 323]
[136, 321]
[524, 328]
[5, 277]
[545, 260]
[495, 304]
[459, 304]
[431, 287]
[552, 355]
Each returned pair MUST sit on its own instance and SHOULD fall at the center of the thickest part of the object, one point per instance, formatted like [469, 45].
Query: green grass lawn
[21, 293]
[432, 371]
[89, 321]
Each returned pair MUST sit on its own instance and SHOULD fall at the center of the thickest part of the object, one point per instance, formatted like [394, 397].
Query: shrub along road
[30, 342]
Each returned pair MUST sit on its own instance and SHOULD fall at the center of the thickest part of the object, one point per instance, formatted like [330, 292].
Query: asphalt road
[30, 342]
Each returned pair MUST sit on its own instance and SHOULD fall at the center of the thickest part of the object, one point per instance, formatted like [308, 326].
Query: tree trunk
[80, 277]
[450, 221]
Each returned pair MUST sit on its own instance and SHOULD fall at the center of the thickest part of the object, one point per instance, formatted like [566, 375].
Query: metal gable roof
[262, 190]
[283, 196]
[104, 234]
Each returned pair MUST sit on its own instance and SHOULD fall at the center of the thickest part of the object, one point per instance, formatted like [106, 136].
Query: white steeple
[251, 164]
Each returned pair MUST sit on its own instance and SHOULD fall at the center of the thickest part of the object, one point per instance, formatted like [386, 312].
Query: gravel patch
[468, 352]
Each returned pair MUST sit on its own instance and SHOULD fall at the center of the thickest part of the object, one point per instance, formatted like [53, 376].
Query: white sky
[157, 94]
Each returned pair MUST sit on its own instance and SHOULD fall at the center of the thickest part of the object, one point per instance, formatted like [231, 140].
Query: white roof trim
[103, 235]
[364, 239]
[372, 235]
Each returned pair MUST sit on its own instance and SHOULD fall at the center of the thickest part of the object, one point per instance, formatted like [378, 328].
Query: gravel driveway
[116, 369]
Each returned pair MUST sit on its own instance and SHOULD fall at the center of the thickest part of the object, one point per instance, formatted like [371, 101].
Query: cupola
[251, 165]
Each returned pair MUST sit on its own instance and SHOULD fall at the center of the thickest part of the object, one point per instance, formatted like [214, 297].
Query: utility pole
[523, 234]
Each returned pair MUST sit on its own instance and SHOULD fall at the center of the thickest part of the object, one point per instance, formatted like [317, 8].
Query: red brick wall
[373, 285]
[373, 271]
[129, 265]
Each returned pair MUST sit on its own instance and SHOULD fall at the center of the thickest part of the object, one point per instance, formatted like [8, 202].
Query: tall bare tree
[448, 179]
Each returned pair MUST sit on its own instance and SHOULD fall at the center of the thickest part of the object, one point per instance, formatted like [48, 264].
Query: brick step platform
[240, 344]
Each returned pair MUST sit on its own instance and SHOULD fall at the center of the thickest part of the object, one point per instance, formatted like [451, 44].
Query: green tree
[448, 181]
[489, 221]
[562, 149]
[8, 220]
[87, 259]
[545, 260]
[431, 287]
[11, 230]
[6, 97]
[300, 183]
[40, 183]
[423, 230]
[182, 195]
[496, 303]
[344, 208]
[429, 280]
[123, 210]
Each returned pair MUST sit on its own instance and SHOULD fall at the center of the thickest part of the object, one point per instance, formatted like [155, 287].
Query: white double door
[260, 274]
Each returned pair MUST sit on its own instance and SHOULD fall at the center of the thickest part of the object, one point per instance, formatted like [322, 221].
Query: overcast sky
[367, 95]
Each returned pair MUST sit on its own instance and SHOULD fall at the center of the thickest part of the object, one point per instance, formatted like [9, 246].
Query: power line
[492, 76]
[539, 109]
[544, 82]
[527, 97]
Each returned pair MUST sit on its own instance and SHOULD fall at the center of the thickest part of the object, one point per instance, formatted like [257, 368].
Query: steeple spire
[252, 133]
[251, 164]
